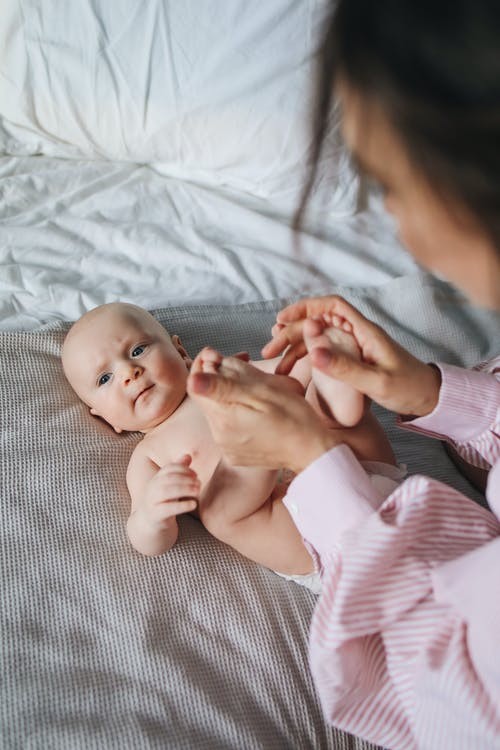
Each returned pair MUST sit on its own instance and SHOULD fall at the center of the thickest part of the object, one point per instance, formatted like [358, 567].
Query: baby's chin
[153, 418]
[152, 422]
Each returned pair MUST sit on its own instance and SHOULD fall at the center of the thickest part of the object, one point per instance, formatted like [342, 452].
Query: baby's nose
[131, 373]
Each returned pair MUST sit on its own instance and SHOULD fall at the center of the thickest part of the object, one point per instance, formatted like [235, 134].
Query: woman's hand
[256, 418]
[386, 373]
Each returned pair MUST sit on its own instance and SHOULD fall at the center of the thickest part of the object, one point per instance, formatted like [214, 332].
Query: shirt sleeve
[467, 414]
[333, 494]
[404, 644]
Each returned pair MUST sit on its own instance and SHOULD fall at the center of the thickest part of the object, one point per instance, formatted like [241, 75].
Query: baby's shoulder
[140, 451]
[155, 448]
[141, 467]
[141, 456]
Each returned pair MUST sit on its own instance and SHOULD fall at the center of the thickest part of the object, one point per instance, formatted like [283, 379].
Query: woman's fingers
[335, 311]
[289, 384]
[375, 345]
[308, 308]
[329, 311]
[341, 366]
[237, 382]
[285, 336]
[260, 419]
[334, 307]
[229, 384]
[290, 357]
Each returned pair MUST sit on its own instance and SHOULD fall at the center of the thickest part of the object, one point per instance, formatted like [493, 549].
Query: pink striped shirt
[405, 638]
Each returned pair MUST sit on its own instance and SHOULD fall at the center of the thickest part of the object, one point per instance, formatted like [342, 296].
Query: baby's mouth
[141, 393]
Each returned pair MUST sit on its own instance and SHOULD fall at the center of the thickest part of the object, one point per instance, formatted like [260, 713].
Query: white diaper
[385, 478]
[311, 581]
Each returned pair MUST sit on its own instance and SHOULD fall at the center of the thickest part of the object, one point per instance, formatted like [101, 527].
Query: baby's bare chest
[187, 435]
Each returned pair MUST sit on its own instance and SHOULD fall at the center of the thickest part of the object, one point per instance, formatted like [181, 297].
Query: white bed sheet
[76, 234]
[154, 152]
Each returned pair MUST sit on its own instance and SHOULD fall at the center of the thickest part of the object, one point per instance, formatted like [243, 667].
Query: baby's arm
[158, 496]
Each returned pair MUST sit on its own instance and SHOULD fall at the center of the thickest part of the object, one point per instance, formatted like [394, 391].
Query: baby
[125, 366]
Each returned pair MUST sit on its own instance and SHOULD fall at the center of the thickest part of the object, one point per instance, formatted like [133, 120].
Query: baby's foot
[208, 360]
[345, 402]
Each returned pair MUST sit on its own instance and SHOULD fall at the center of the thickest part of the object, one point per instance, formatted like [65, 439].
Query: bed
[153, 152]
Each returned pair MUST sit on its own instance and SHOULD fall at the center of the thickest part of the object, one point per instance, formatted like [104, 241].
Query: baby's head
[124, 365]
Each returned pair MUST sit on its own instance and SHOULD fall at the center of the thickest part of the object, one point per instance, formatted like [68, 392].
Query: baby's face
[125, 366]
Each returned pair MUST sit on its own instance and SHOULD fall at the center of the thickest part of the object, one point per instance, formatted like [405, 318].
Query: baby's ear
[185, 356]
[96, 414]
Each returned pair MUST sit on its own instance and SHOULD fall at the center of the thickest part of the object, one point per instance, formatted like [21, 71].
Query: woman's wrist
[312, 448]
[431, 386]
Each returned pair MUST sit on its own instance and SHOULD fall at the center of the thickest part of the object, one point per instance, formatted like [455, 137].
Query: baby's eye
[104, 378]
[138, 350]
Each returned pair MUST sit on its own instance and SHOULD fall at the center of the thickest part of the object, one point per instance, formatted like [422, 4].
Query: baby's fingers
[171, 508]
[173, 486]
[175, 471]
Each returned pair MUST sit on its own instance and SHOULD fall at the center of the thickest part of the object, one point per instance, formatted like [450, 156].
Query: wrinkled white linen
[75, 234]
[217, 92]
[155, 152]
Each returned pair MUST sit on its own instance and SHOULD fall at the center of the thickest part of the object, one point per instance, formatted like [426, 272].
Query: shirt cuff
[467, 406]
[331, 495]
[468, 583]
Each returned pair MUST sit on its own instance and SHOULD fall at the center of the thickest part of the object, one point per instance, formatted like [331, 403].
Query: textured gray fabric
[104, 648]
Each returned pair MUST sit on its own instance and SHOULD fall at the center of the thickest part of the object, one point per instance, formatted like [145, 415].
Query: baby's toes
[211, 355]
[314, 336]
[209, 367]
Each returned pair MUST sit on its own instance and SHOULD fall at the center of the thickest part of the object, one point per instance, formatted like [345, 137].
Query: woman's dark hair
[434, 69]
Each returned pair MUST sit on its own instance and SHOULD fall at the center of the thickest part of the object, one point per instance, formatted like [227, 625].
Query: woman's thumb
[341, 366]
[211, 386]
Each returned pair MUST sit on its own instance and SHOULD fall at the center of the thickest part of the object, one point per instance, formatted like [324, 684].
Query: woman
[405, 639]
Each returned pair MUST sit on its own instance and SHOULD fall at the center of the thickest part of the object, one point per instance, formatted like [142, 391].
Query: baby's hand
[173, 490]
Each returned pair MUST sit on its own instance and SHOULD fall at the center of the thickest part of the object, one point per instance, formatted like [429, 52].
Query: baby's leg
[346, 404]
[239, 510]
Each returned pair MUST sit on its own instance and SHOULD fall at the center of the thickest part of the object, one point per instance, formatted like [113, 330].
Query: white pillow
[211, 91]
